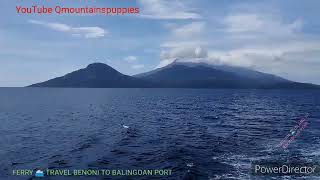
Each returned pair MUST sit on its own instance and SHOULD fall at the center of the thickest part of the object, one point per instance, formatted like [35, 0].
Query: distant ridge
[175, 75]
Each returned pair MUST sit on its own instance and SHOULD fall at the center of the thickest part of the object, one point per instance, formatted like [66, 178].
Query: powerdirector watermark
[92, 172]
[285, 169]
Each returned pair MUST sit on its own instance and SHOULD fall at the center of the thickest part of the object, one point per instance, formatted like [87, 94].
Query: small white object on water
[126, 127]
[190, 164]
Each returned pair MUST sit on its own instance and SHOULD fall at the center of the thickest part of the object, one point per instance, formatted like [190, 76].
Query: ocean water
[198, 134]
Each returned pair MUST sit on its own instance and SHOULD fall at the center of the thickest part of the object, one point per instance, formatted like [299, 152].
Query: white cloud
[265, 42]
[295, 60]
[188, 35]
[86, 32]
[189, 30]
[255, 56]
[131, 59]
[167, 9]
[185, 42]
[243, 23]
[134, 59]
[196, 54]
[264, 39]
[266, 25]
[89, 32]
[191, 43]
[137, 66]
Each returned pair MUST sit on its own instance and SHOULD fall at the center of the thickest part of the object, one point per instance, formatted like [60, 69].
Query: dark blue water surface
[203, 134]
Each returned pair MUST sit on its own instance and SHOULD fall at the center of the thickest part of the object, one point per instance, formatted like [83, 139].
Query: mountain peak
[95, 75]
[101, 68]
[98, 65]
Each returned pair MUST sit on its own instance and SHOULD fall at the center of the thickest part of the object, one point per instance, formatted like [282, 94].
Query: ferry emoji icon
[39, 173]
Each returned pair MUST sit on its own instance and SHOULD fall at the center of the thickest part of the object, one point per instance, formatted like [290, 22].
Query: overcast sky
[278, 37]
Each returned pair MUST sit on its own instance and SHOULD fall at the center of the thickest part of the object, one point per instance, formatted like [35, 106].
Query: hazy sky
[279, 37]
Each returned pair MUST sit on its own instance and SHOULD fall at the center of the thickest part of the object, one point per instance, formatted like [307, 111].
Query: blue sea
[197, 133]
